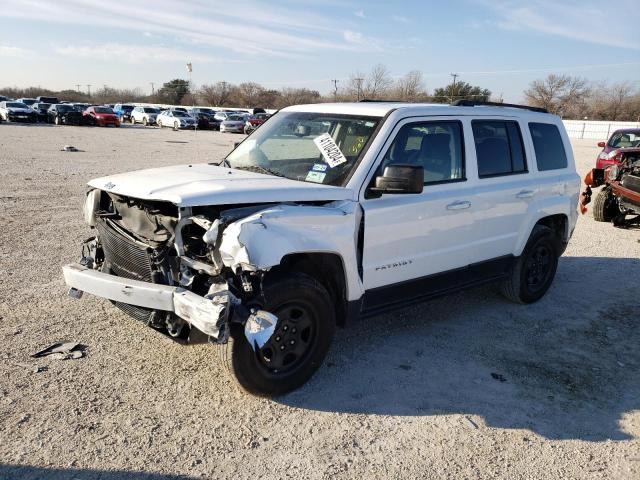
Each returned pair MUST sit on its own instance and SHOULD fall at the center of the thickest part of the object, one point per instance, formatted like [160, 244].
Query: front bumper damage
[212, 314]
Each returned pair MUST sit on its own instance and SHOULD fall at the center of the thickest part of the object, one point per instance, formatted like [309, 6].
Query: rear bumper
[206, 314]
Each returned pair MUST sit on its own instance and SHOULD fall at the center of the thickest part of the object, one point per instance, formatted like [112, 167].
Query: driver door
[411, 236]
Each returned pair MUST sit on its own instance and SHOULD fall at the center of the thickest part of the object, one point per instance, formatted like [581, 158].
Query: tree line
[567, 96]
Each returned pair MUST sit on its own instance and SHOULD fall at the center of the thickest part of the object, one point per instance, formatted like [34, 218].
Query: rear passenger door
[505, 186]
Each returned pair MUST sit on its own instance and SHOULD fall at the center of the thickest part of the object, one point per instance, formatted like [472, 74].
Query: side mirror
[400, 179]
[602, 144]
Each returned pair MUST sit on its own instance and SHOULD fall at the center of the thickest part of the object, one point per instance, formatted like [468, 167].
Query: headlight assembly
[91, 204]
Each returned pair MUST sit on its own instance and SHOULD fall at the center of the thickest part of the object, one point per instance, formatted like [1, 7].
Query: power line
[89, 89]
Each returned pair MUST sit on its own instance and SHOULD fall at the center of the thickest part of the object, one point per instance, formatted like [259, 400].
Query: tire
[534, 270]
[56, 120]
[176, 126]
[159, 124]
[296, 299]
[144, 121]
[132, 120]
[604, 206]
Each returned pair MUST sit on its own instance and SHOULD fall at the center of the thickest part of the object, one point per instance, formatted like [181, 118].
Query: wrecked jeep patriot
[328, 212]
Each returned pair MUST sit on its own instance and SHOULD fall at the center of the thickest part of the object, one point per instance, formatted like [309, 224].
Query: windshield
[43, 106]
[103, 110]
[16, 105]
[625, 139]
[150, 110]
[309, 147]
[180, 113]
[64, 108]
[235, 118]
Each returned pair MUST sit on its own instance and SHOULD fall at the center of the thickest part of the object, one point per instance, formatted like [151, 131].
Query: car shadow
[26, 472]
[566, 367]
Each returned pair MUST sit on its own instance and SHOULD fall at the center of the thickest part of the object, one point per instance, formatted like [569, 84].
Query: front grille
[128, 259]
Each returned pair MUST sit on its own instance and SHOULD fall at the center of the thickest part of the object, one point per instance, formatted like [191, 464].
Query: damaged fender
[261, 240]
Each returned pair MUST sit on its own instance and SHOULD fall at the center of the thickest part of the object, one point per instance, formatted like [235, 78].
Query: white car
[144, 115]
[176, 119]
[12, 111]
[234, 123]
[329, 212]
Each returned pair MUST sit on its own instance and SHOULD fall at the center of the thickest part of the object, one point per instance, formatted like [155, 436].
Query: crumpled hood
[203, 184]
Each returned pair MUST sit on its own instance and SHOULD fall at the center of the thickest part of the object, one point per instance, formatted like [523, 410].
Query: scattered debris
[24, 418]
[62, 351]
[498, 376]
[69, 148]
[403, 366]
[620, 363]
[470, 422]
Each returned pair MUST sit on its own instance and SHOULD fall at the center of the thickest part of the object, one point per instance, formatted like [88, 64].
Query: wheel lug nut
[292, 342]
[277, 338]
[293, 330]
[285, 328]
[281, 347]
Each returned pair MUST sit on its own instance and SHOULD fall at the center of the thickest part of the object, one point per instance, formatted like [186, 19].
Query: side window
[499, 148]
[547, 143]
[436, 146]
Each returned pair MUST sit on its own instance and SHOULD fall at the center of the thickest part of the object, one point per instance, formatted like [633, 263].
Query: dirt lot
[468, 386]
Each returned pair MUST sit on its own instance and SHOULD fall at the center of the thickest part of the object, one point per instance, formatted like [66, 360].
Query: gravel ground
[467, 386]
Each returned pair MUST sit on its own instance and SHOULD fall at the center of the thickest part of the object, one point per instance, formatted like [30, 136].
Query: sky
[501, 45]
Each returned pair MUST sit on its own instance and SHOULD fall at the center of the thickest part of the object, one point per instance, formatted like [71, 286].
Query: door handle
[525, 194]
[459, 205]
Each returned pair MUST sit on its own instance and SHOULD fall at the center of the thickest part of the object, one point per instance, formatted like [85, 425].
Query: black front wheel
[305, 328]
[533, 272]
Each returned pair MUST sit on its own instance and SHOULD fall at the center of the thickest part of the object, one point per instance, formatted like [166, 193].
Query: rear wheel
[159, 124]
[533, 272]
[604, 206]
[144, 121]
[132, 120]
[306, 324]
[56, 120]
[176, 126]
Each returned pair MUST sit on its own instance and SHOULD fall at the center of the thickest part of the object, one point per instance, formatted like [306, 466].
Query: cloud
[578, 20]
[254, 29]
[14, 52]
[359, 13]
[130, 53]
[399, 19]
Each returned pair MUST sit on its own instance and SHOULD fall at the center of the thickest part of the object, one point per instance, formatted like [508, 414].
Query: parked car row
[51, 110]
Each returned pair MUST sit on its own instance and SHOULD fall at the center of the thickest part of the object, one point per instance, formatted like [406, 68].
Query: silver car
[234, 123]
[176, 119]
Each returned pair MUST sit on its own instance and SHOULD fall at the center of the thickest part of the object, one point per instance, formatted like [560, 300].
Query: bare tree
[613, 102]
[560, 94]
[216, 95]
[410, 88]
[378, 82]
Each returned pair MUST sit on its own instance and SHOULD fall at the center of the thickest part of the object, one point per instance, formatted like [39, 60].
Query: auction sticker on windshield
[330, 151]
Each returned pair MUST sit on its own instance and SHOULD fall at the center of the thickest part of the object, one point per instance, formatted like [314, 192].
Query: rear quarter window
[548, 146]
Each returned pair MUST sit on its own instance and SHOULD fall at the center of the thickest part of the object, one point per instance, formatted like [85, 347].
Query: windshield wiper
[259, 169]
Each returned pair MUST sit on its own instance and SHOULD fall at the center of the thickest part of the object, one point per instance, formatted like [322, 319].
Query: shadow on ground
[20, 472]
[566, 367]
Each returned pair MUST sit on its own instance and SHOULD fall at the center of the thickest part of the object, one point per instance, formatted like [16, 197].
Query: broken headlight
[91, 204]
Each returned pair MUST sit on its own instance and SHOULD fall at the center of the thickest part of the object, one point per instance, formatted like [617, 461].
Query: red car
[100, 116]
[254, 121]
[610, 154]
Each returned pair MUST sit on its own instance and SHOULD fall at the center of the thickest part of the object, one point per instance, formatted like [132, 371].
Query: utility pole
[453, 88]
[335, 89]
[89, 90]
[359, 84]
[78, 87]
[153, 88]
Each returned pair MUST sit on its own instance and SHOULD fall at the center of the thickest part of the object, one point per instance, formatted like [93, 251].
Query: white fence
[595, 130]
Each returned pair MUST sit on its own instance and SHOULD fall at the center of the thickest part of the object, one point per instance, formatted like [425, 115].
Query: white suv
[144, 115]
[327, 212]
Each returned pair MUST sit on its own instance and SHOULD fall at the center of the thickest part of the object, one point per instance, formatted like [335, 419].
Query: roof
[380, 109]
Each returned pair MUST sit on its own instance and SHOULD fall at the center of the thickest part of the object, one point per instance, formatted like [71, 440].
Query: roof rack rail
[373, 100]
[478, 103]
